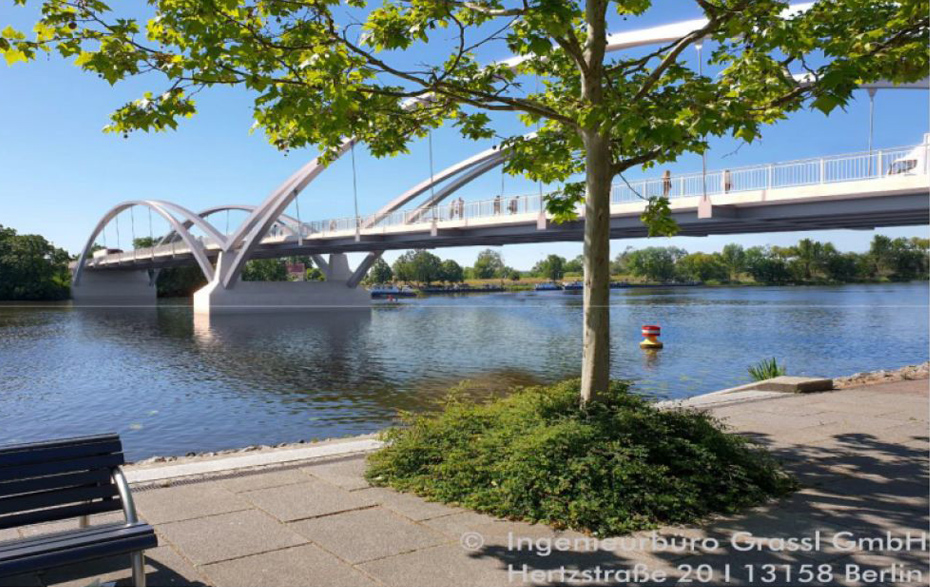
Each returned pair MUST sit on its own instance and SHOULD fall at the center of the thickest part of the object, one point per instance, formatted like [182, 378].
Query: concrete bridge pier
[114, 287]
[340, 290]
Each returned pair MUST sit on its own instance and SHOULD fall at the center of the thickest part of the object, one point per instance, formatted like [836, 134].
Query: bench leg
[138, 569]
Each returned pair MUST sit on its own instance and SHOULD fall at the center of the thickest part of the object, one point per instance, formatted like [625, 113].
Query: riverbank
[908, 373]
[860, 453]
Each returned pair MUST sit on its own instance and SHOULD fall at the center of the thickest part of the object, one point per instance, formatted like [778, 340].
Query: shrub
[766, 369]
[614, 466]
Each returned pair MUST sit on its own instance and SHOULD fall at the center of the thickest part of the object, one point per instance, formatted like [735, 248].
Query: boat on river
[392, 291]
[548, 286]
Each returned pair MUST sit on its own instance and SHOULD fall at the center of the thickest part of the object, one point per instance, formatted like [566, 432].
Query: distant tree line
[809, 261]
[424, 268]
[31, 268]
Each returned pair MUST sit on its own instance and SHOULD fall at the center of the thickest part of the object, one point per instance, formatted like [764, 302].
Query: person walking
[497, 205]
[666, 183]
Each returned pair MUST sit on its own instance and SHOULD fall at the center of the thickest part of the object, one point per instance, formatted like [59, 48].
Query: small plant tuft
[766, 369]
[613, 466]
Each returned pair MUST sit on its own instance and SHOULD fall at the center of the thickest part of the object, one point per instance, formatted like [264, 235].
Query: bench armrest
[122, 485]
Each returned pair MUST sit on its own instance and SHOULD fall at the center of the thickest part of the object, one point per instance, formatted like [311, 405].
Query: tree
[842, 267]
[702, 267]
[733, 258]
[380, 272]
[576, 265]
[31, 268]
[488, 265]
[552, 268]
[265, 270]
[655, 263]
[451, 272]
[765, 265]
[320, 77]
[418, 266]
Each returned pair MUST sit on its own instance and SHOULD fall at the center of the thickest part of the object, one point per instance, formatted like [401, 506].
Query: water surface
[171, 384]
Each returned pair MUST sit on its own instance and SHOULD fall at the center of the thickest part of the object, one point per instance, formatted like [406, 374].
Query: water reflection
[172, 382]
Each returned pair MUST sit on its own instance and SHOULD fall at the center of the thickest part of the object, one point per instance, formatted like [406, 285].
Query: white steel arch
[164, 210]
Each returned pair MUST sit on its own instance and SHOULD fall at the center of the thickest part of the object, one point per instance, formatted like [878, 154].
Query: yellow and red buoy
[651, 332]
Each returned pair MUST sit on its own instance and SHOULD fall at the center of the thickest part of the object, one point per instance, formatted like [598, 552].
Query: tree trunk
[595, 366]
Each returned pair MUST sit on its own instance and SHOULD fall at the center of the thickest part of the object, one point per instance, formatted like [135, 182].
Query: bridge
[856, 191]
[883, 188]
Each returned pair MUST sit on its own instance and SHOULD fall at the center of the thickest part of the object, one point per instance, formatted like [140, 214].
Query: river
[171, 384]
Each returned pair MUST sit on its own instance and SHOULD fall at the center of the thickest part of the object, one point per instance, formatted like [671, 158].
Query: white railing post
[770, 177]
[880, 167]
[823, 166]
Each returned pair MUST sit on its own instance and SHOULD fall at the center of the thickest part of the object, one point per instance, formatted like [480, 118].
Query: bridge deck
[860, 191]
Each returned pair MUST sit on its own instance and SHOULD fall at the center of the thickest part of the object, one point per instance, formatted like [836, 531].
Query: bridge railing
[832, 169]
[820, 170]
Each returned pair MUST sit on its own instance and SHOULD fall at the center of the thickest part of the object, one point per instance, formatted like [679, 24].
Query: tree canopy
[31, 268]
[322, 71]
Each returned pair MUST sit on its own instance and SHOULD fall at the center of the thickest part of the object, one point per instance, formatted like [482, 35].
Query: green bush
[766, 369]
[614, 466]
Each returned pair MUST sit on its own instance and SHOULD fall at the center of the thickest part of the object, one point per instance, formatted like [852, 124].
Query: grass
[615, 466]
[766, 369]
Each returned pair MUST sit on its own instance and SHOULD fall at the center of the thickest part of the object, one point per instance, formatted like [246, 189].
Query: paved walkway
[861, 453]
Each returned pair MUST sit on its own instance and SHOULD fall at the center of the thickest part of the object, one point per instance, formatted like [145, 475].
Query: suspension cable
[132, 225]
[117, 233]
[227, 221]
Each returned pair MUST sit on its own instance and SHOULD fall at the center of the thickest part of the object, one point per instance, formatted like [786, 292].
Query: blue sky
[59, 173]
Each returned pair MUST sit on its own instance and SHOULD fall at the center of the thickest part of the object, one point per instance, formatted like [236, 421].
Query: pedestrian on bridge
[497, 205]
[666, 183]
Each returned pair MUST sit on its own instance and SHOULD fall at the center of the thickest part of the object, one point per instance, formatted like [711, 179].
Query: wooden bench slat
[56, 540]
[55, 497]
[11, 448]
[78, 479]
[80, 548]
[60, 513]
[53, 468]
[48, 454]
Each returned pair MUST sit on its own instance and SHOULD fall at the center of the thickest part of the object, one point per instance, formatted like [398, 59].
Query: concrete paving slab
[406, 504]
[227, 536]
[446, 566]
[306, 500]
[9, 534]
[900, 572]
[291, 567]
[163, 568]
[263, 480]
[348, 474]
[369, 534]
[185, 502]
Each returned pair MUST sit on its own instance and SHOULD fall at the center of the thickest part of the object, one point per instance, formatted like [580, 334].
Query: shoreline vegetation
[33, 269]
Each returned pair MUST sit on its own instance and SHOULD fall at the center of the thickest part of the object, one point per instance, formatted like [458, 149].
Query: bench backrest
[58, 479]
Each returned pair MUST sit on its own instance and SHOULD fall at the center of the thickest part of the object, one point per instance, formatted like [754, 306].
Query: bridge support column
[114, 287]
[282, 296]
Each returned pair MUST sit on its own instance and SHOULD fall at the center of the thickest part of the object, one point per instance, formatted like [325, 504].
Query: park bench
[62, 480]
